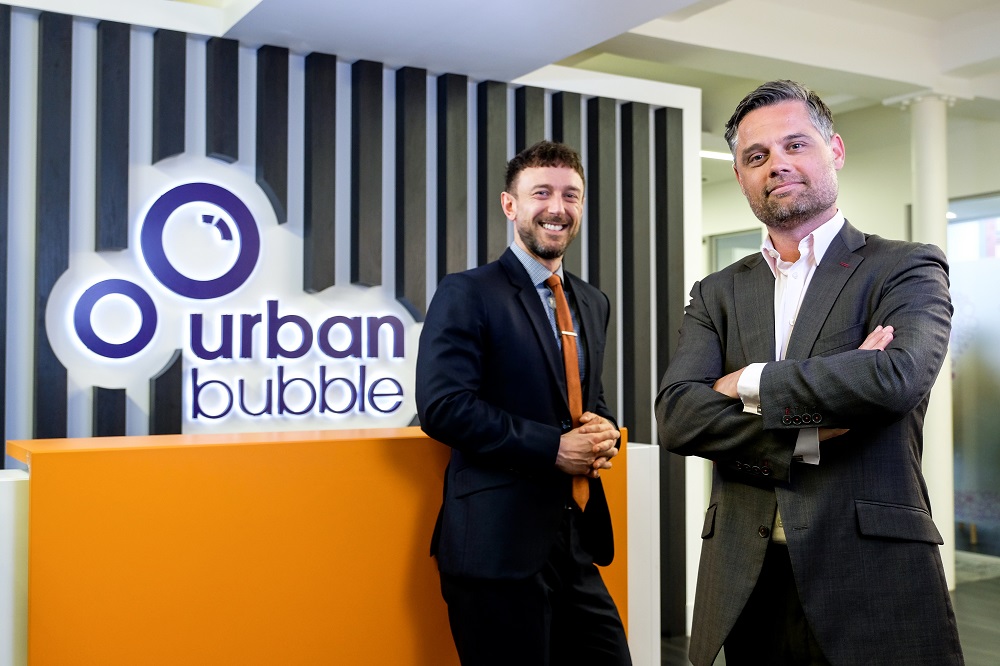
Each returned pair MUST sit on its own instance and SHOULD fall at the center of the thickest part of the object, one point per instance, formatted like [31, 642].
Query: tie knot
[553, 282]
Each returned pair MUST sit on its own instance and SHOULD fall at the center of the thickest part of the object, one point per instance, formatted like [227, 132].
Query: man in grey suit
[803, 373]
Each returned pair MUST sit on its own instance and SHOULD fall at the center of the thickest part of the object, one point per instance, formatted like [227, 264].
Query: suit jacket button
[797, 420]
[786, 419]
[763, 531]
[807, 419]
[765, 470]
[756, 469]
[817, 417]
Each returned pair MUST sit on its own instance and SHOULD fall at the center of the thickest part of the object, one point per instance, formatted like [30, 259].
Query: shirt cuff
[807, 446]
[748, 387]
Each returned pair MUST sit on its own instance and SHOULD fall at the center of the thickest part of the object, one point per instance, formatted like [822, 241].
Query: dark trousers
[562, 615]
[772, 628]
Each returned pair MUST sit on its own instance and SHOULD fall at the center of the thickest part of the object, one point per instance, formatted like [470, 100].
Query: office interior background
[643, 88]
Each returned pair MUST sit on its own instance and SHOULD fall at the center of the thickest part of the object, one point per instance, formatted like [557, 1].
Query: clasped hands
[588, 448]
[878, 339]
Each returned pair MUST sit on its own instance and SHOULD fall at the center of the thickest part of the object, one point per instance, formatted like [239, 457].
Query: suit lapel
[753, 288]
[527, 297]
[833, 272]
[592, 332]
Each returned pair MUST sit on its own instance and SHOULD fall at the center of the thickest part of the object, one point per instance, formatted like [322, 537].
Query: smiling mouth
[782, 187]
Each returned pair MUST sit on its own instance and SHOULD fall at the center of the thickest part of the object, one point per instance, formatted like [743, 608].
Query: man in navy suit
[516, 554]
[803, 373]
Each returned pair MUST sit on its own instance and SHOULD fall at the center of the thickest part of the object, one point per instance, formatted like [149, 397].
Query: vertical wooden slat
[529, 117]
[491, 109]
[602, 246]
[55, 62]
[109, 412]
[637, 363]
[111, 215]
[670, 289]
[567, 127]
[366, 171]
[222, 89]
[272, 127]
[320, 172]
[169, 71]
[452, 160]
[4, 201]
[411, 190]
[166, 396]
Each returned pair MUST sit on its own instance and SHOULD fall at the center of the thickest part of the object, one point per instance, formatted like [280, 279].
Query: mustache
[777, 182]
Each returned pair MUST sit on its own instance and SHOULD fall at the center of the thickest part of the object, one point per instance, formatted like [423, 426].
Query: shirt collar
[536, 272]
[814, 245]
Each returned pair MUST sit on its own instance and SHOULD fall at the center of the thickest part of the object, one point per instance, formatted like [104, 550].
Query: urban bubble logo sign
[209, 273]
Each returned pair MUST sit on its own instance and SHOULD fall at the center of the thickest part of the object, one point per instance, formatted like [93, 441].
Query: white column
[929, 144]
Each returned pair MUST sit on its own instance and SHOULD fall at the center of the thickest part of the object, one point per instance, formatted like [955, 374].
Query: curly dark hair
[543, 154]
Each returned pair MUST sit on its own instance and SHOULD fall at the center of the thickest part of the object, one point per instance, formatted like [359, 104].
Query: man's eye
[755, 158]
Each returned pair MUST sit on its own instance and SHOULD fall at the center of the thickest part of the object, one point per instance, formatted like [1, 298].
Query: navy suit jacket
[863, 547]
[490, 384]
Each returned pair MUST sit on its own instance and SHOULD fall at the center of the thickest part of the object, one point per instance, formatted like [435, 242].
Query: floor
[977, 607]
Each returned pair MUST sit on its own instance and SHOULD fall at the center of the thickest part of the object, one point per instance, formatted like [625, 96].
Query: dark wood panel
[4, 200]
[166, 395]
[272, 127]
[602, 242]
[366, 173]
[411, 190]
[668, 159]
[109, 412]
[169, 72]
[529, 117]
[491, 170]
[637, 366]
[222, 99]
[567, 127]
[320, 172]
[55, 63]
[452, 176]
[111, 215]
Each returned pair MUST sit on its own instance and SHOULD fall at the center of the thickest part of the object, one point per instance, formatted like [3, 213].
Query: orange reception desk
[263, 548]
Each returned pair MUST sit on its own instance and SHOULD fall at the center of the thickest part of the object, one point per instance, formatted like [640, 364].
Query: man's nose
[556, 206]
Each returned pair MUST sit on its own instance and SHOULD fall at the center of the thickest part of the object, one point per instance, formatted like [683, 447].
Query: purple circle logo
[151, 240]
[85, 330]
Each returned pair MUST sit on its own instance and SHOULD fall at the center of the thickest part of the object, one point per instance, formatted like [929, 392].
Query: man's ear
[509, 205]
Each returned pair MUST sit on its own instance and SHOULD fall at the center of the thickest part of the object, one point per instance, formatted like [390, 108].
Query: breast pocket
[843, 340]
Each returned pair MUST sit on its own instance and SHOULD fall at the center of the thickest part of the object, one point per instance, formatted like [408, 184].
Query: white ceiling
[853, 53]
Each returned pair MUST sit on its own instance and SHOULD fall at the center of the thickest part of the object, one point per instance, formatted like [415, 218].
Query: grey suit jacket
[863, 547]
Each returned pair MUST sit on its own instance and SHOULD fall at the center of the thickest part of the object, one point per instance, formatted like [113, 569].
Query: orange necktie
[571, 363]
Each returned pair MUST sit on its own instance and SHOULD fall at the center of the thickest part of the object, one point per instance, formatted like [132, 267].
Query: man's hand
[879, 338]
[727, 384]
[588, 448]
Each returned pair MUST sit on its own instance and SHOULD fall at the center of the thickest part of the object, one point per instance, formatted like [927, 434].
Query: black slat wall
[111, 217]
[55, 63]
[671, 294]
[320, 195]
[450, 139]
[491, 158]
[272, 127]
[602, 237]
[169, 93]
[411, 190]
[222, 88]
[366, 182]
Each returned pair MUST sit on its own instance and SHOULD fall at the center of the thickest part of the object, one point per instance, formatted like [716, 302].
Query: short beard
[775, 215]
[539, 250]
